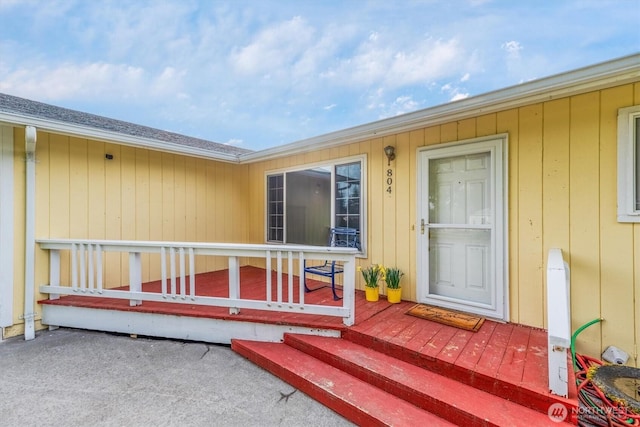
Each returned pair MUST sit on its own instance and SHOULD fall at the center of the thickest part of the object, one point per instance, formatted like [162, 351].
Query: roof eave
[608, 74]
[88, 132]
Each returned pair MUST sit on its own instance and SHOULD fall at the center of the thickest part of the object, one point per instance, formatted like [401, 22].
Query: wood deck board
[439, 341]
[426, 332]
[536, 360]
[452, 350]
[408, 332]
[395, 326]
[493, 353]
[512, 364]
[475, 346]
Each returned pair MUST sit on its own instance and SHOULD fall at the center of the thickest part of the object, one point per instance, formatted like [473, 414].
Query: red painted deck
[502, 359]
[252, 286]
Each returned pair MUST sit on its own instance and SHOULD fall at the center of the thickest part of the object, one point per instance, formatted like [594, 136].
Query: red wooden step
[354, 399]
[442, 396]
[482, 374]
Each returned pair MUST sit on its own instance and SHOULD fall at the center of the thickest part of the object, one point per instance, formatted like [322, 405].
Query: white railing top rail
[202, 248]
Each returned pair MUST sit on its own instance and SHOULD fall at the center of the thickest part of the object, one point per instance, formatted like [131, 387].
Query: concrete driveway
[72, 377]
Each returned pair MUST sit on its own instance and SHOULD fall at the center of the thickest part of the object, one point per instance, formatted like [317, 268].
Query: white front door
[461, 238]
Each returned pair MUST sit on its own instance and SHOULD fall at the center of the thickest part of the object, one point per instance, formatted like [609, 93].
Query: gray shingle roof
[26, 107]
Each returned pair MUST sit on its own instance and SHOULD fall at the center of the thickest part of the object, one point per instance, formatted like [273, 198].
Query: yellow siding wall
[562, 193]
[19, 168]
[139, 195]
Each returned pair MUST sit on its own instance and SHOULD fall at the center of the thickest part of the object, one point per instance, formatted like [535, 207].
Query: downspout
[30, 234]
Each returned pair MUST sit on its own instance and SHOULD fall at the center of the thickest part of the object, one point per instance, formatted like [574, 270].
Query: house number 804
[389, 179]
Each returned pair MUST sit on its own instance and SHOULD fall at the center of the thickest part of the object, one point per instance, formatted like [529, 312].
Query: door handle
[422, 224]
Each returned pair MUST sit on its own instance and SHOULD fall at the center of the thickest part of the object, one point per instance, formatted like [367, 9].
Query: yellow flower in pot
[392, 278]
[371, 276]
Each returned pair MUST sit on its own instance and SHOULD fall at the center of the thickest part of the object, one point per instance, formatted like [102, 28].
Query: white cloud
[380, 60]
[454, 93]
[459, 96]
[75, 80]
[513, 48]
[274, 48]
[465, 78]
[400, 105]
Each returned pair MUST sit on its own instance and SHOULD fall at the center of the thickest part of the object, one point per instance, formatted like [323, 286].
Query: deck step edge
[496, 386]
[423, 388]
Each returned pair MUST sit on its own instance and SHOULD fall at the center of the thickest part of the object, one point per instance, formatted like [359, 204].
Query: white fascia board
[595, 77]
[87, 132]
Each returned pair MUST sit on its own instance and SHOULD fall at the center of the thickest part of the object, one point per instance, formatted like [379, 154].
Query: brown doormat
[446, 317]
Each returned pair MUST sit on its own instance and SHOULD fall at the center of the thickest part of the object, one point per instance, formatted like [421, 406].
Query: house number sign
[389, 180]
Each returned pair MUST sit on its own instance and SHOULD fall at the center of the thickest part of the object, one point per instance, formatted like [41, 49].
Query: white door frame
[497, 145]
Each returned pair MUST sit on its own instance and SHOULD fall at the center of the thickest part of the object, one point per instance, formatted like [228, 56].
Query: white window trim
[362, 158]
[627, 167]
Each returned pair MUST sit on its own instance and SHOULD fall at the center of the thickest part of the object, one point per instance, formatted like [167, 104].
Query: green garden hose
[575, 336]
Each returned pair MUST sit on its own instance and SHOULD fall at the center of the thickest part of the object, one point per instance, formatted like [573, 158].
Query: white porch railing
[558, 321]
[87, 273]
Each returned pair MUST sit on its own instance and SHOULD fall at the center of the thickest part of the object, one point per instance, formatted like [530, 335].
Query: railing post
[135, 276]
[234, 282]
[348, 290]
[558, 322]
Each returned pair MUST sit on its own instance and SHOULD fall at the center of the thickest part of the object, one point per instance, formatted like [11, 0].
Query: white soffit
[95, 134]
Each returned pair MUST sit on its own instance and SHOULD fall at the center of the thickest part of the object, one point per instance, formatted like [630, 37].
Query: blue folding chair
[340, 237]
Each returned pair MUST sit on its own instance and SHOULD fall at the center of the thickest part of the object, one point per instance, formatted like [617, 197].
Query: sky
[262, 73]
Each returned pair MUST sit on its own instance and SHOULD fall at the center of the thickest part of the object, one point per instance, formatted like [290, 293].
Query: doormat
[446, 317]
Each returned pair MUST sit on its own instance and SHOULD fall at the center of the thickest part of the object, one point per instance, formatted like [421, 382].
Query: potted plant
[392, 278]
[371, 276]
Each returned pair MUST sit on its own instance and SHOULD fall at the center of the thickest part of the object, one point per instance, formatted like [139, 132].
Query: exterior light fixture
[390, 152]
